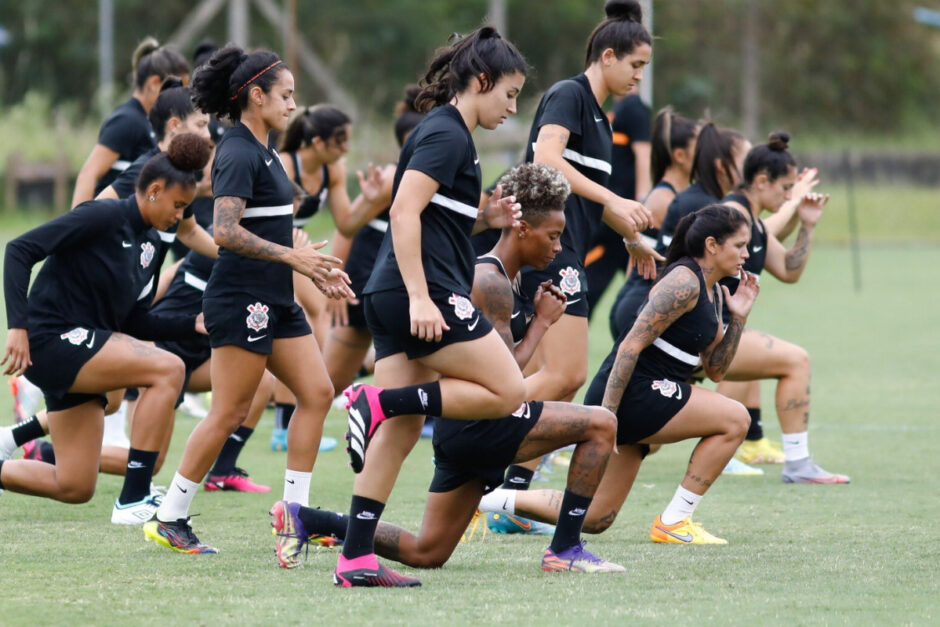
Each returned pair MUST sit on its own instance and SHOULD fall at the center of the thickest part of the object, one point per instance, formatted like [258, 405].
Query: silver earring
[152, 198]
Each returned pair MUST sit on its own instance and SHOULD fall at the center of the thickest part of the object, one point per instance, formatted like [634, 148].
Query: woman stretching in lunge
[471, 456]
[643, 380]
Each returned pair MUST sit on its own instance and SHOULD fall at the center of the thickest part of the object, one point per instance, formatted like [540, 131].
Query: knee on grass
[75, 493]
[595, 524]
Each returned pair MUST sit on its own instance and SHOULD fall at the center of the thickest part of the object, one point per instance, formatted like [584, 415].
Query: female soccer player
[172, 113]
[417, 301]
[716, 169]
[74, 336]
[671, 156]
[471, 456]
[249, 306]
[769, 175]
[126, 134]
[643, 379]
[571, 133]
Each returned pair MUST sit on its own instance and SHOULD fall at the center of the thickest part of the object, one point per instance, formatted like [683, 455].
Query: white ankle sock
[7, 443]
[499, 500]
[178, 498]
[297, 486]
[795, 446]
[681, 506]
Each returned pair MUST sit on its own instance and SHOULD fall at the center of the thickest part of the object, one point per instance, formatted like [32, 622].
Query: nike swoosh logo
[757, 249]
[135, 465]
[91, 342]
[476, 161]
[686, 500]
[578, 511]
[598, 119]
[255, 339]
[683, 538]
[268, 161]
[472, 326]
[506, 502]
[239, 438]
[126, 244]
[678, 392]
[365, 516]
[182, 490]
[516, 315]
[572, 302]
[290, 481]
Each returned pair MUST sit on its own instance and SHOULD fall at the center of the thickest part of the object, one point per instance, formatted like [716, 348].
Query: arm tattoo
[720, 357]
[227, 213]
[796, 256]
[492, 293]
[559, 138]
[676, 294]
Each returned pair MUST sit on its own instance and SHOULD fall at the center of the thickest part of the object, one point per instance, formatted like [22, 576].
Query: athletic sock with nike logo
[424, 398]
[574, 507]
[178, 498]
[681, 506]
[137, 475]
[364, 515]
[297, 486]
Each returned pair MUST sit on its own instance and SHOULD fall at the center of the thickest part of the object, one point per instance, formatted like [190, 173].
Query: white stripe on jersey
[300, 222]
[676, 352]
[193, 281]
[144, 293]
[649, 241]
[588, 162]
[268, 212]
[120, 165]
[455, 205]
[667, 239]
[169, 238]
[379, 225]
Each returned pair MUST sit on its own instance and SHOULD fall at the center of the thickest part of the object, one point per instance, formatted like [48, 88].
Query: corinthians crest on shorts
[257, 317]
[76, 336]
[463, 308]
[146, 254]
[668, 388]
[570, 281]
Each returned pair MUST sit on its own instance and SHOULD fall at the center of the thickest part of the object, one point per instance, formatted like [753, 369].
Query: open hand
[740, 304]
[501, 211]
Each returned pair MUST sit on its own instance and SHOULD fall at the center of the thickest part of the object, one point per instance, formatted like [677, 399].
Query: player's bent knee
[170, 369]
[739, 420]
[599, 525]
[604, 425]
[76, 493]
[798, 359]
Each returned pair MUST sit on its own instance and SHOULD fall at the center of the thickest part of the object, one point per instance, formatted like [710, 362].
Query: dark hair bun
[171, 82]
[189, 152]
[629, 10]
[779, 141]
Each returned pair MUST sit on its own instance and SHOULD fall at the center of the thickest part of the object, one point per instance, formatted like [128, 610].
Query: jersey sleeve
[126, 182]
[633, 120]
[562, 106]
[77, 227]
[234, 170]
[439, 154]
[118, 132]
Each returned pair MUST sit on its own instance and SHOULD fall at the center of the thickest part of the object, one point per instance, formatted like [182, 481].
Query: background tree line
[832, 65]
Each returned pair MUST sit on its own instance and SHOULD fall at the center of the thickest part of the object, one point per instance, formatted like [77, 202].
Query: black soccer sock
[47, 452]
[27, 431]
[424, 398]
[323, 522]
[137, 475]
[518, 478]
[282, 414]
[225, 462]
[1, 474]
[364, 514]
[756, 430]
[570, 520]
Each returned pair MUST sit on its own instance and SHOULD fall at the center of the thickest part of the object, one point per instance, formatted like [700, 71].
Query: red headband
[253, 79]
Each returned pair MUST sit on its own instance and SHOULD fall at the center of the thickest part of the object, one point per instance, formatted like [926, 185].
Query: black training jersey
[101, 259]
[691, 199]
[756, 248]
[675, 354]
[631, 124]
[519, 323]
[125, 184]
[184, 295]
[244, 168]
[441, 147]
[310, 205]
[571, 103]
[127, 131]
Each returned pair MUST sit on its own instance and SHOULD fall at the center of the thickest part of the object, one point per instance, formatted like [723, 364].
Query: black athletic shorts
[567, 272]
[479, 449]
[194, 353]
[390, 322]
[247, 322]
[57, 356]
[647, 404]
[359, 270]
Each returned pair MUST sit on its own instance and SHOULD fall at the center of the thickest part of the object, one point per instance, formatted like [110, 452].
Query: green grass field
[858, 554]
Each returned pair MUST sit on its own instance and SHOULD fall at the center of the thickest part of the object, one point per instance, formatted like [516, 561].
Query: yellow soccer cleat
[761, 451]
[683, 532]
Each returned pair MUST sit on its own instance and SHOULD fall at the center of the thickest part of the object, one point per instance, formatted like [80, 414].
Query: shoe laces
[581, 553]
[241, 472]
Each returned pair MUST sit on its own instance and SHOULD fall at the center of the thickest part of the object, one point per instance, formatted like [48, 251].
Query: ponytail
[714, 144]
[622, 31]
[323, 121]
[151, 59]
[482, 54]
[718, 221]
[174, 101]
[221, 84]
[670, 131]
